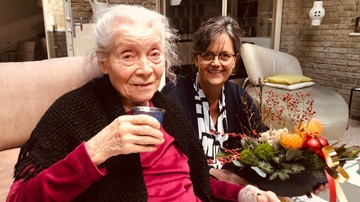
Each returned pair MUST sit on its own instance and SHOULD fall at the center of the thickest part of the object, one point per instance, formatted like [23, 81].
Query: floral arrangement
[282, 152]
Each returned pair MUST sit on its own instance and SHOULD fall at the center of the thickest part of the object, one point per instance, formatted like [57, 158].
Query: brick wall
[82, 8]
[326, 53]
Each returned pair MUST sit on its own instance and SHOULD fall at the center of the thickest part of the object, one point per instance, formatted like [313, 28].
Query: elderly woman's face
[136, 63]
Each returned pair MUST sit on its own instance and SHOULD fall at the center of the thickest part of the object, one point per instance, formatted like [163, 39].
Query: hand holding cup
[127, 134]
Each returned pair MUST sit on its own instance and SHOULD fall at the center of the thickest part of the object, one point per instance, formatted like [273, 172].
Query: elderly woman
[89, 147]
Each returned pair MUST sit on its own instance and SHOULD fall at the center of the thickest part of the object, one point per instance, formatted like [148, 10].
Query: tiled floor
[352, 135]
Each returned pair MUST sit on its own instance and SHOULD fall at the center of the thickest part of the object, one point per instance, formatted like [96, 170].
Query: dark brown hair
[213, 28]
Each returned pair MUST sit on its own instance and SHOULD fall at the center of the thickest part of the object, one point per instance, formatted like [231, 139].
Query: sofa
[27, 89]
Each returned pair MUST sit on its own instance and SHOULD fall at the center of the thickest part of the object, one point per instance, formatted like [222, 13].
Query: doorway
[21, 22]
[54, 23]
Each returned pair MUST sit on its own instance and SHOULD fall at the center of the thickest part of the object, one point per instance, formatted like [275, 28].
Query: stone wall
[326, 53]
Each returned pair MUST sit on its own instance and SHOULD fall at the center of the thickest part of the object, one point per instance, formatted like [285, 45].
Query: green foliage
[281, 174]
[279, 163]
[347, 153]
[293, 154]
[237, 163]
[266, 167]
[280, 158]
[297, 168]
[312, 162]
[248, 157]
[264, 152]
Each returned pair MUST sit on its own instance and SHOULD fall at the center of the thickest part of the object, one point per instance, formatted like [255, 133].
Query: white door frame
[277, 29]
[68, 27]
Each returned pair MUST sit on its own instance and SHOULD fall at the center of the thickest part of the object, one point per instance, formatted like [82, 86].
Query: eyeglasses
[223, 57]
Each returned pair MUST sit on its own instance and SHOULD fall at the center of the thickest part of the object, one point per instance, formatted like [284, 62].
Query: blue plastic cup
[155, 112]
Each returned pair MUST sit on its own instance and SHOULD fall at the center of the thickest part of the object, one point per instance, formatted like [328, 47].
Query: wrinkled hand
[252, 194]
[321, 188]
[228, 176]
[126, 134]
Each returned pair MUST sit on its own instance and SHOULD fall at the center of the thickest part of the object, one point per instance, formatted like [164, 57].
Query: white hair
[105, 34]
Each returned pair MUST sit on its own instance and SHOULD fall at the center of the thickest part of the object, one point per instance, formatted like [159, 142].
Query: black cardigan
[79, 115]
[184, 94]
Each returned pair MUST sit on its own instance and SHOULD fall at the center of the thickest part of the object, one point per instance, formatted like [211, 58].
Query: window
[256, 17]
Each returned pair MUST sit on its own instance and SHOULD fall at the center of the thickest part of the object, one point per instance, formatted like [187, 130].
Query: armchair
[27, 89]
[260, 62]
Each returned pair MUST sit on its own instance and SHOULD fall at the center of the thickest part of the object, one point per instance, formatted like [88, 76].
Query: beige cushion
[27, 89]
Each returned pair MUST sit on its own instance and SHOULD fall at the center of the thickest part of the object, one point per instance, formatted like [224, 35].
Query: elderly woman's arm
[224, 191]
[63, 181]
[67, 178]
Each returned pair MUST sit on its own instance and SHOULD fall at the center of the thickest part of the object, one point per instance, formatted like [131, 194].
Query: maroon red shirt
[166, 174]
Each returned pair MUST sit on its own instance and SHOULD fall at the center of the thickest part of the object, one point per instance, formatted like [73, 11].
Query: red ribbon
[334, 172]
[332, 187]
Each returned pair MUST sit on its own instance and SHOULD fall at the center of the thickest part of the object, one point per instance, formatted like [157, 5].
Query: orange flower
[291, 140]
[314, 128]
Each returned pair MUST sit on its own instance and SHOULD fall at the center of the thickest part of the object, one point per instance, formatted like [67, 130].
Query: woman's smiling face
[217, 70]
[136, 63]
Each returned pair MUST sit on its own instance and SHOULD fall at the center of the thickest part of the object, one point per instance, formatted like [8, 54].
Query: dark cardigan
[184, 94]
[79, 115]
